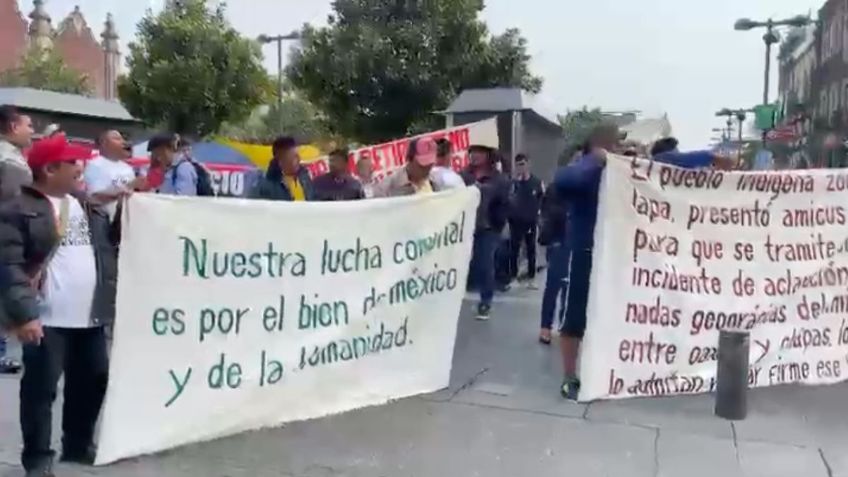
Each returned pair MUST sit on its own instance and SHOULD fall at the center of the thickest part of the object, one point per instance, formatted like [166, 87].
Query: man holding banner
[339, 183]
[580, 183]
[286, 179]
[415, 177]
[61, 255]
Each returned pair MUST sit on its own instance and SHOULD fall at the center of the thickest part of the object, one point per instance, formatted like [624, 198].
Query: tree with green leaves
[577, 126]
[296, 117]
[190, 71]
[46, 69]
[382, 68]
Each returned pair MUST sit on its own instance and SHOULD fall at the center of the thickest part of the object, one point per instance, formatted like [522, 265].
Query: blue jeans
[3, 341]
[483, 263]
[556, 284]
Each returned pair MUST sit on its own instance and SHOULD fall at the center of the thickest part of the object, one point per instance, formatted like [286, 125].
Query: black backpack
[204, 179]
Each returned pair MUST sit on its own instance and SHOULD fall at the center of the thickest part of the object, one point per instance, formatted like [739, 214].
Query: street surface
[502, 416]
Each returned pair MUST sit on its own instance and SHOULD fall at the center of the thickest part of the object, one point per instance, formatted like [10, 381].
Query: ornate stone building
[73, 39]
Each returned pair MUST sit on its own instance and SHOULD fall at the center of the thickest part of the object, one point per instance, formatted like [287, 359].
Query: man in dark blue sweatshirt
[580, 183]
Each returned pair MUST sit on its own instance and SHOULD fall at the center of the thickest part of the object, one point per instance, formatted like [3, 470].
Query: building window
[844, 36]
[827, 39]
[823, 104]
[844, 92]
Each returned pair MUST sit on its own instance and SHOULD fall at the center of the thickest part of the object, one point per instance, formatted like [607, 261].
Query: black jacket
[28, 236]
[328, 187]
[526, 200]
[494, 200]
[272, 186]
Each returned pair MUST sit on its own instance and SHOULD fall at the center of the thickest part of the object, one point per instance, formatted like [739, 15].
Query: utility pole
[771, 37]
[279, 39]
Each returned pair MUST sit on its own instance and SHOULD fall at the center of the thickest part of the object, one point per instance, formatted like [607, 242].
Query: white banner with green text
[236, 315]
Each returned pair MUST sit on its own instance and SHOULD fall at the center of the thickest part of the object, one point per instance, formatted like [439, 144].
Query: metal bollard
[732, 375]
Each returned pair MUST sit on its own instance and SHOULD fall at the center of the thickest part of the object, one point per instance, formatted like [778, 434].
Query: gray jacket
[14, 170]
[399, 185]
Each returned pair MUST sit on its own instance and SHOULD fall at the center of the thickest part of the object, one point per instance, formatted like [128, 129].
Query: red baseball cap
[425, 151]
[55, 149]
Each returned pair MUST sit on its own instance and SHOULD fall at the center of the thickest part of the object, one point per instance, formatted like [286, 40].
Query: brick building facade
[99, 60]
[814, 88]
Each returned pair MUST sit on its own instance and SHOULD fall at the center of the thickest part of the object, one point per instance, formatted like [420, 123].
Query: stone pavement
[502, 416]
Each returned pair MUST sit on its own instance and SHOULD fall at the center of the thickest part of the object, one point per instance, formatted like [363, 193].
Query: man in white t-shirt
[442, 174]
[109, 177]
[365, 173]
[62, 261]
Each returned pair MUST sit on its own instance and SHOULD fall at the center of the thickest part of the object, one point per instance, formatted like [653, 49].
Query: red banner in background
[391, 156]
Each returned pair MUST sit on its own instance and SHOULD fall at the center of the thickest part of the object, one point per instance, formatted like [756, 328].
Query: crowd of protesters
[60, 233]
[59, 245]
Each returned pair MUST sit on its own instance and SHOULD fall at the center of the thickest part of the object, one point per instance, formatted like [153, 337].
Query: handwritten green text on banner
[235, 315]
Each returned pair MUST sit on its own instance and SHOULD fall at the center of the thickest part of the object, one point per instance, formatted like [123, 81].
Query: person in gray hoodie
[15, 135]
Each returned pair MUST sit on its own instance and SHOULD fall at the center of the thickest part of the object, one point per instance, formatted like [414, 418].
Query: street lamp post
[771, 37]
[740, 115]
[279, 39]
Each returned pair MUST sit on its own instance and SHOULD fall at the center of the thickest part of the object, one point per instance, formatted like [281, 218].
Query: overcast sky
[679, 57]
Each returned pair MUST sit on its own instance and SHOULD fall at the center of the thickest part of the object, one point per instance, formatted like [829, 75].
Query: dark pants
[556, 285]
[81, 355]
[577, 294]
[483, 263]
[522, 232]
[3, 345]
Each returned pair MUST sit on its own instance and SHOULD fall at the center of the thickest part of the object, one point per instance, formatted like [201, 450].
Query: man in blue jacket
[580, 183]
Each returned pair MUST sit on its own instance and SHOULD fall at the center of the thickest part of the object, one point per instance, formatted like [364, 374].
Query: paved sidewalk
[502, 416]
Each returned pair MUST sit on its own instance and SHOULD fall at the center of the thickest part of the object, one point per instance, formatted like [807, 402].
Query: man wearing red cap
[62, 257]
[414, 178]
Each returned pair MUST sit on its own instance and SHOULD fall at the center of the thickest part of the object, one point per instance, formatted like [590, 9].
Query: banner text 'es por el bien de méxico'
[310, 313]
[681, 254]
